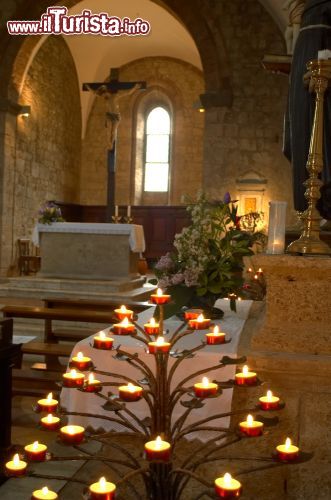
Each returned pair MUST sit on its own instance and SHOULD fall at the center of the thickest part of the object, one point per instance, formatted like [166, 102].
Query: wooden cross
[113, 90]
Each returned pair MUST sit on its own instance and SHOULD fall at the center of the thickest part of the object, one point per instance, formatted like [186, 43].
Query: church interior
[105, 144]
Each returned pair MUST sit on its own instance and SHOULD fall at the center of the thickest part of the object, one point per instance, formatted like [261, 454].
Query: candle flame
[159, 292]
[249, 420]
[91, 378]
[245, 370]
[260, 270]
[250, 270]
[152, 322]
[102, 483]
[239, 299]
[45, 490]
[216, 330]
[35, 445]
[71, 430]
[50, 396]
[130, 387]
[102, 335]
[256, 277]
[205, 382]
[16, 459]
[49, 418]
[200, 318]
[160, 341]
[227, 479]
[125, 322]
[158, 442]
[73, 373]
[269, 395]
[288, 443]
[123, 309]
[80, 356]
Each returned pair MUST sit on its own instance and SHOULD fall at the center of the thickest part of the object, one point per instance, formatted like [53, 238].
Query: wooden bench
[31, 383]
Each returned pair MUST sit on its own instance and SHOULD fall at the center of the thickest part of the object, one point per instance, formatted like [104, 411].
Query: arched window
[157, 150]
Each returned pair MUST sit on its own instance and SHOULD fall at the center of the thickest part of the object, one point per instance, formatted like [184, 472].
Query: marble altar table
[232, 323]
[89, 251]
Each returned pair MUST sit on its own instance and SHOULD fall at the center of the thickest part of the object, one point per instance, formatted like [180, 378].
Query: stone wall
[45, 156]
[180, 84]
[248, 136]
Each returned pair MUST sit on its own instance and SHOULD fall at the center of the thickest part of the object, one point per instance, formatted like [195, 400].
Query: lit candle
[287, 451]
[157, 450]
[44, 494]
[36, 452]
[73, 379]
[260, 272]
[151, 328]
[101, 341]
[215, 337]
[245, 377]
[250, 270]
[48, 404]
[72, 434]
[123, 312]
[130, 392]
[128, 211]
[16, 467]
[227, 487]
[269, 402]
[160, 298]
[159, 346]
[205, 388]
[102, 490]
[200, 323]
[123, 328]
[92, 385]
[251, 427]
[50, 422]
[192, 313]
[81, 362]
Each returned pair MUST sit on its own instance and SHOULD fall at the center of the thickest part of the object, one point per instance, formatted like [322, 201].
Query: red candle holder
[73, 379]
[245, 377]
[160, 298]
[92, 385]
[200, 323]
[48, 405]
[251, 428]
[44, 494]
[124, 328]
[72, 434]
[16, 467]
[192, 313]
[205, 388]
[215, 337]
[50, 423]
[102, 490]
[35, 452]
[158, 348]
[287, 452]
[123, 313]
[152, 328]
[130, 392]
[269, 402]
[101, 341]
[81, 362]
[157, 450]
[227, 487]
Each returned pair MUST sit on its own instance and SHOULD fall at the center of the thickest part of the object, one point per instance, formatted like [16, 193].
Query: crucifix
[112, 91]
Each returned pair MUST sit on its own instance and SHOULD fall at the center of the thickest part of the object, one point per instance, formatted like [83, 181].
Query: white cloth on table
[232, 323]
[134, 231]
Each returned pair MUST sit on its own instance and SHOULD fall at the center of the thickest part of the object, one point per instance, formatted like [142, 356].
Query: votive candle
[269, 402]
[200, 323]
[16, 467]
[245, 377]
[227, 487]
[73, 379]
[123, 328]
[287, 452]
[130, 392]
[81, 362]
[251, 427]
[72, 434]
[157, 450]
[123, 313]
[152, 327]
[102, 490]
[205, 388]
[160, 298]
[48, 404]
[159, 346]
[35, 452]
[44, 494]
[50, 422]
[101, 341]
[92, 385]
[215, 337]
[192, 313]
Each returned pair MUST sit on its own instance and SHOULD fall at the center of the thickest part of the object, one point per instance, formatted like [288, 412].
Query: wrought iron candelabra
[164, 476]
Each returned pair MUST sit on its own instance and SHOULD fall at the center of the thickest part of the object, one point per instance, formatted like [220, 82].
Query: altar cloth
[232, 323]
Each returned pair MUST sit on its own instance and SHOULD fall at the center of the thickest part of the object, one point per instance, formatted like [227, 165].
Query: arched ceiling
[275, 8]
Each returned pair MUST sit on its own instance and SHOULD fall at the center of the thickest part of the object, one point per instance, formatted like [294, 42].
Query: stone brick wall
[180, 84]
[45, 156]
[248, 136]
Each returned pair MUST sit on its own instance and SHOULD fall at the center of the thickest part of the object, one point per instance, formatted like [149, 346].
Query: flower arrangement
[49, 212]
[208, 259]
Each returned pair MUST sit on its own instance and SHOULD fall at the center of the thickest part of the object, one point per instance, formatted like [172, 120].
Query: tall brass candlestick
[309, 241]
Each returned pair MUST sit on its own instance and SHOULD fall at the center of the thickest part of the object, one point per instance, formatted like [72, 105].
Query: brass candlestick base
[309, 242]
[116, 219]
[128, 220]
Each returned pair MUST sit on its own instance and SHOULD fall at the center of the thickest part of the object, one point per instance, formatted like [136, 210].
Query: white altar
[89, 251]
